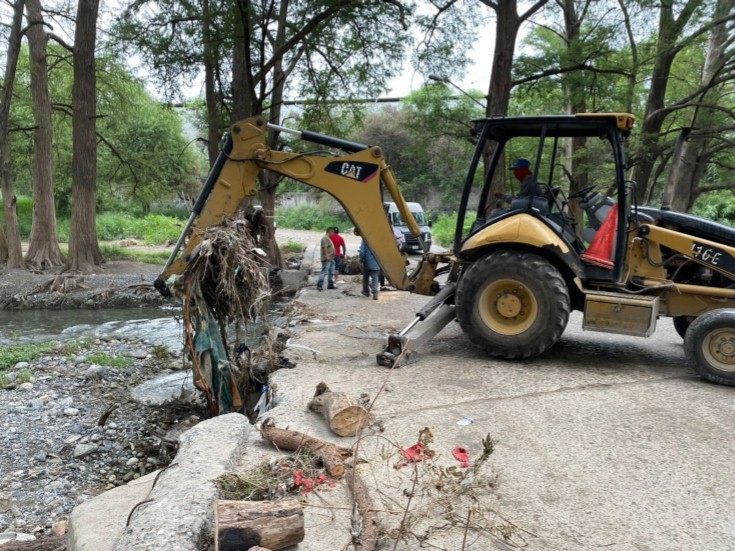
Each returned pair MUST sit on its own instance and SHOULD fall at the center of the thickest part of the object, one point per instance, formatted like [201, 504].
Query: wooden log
[345, 415]
[290, 440]
[272, 525]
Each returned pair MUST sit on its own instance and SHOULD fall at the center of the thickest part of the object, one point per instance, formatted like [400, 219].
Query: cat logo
[356, 170]
[351, 171]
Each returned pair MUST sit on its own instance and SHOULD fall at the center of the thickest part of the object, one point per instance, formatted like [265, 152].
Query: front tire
[514, 305]
[709, 344]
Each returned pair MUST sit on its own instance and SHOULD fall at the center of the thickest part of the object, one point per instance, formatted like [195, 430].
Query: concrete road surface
[604, 442]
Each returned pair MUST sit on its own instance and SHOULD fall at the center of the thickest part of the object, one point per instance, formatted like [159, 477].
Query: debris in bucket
[225, 285]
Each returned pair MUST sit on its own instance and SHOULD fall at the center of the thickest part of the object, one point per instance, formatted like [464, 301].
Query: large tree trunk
[669, 31]
[574, 90]
[506, 32]
[43, 249]
[690, 158]
[84, 251]
[210, 93]
[246, 103]
[14, 252]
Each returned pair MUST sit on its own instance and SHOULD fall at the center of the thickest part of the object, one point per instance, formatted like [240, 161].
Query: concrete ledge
[180, 516]
[96, 525]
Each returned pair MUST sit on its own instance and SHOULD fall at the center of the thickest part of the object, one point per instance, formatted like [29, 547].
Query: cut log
[272, 525]
[345, 415]
[290, 440]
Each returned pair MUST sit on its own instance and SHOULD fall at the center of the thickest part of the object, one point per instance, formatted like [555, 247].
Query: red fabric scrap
[309, 484]
[461, 455]
[414, 454]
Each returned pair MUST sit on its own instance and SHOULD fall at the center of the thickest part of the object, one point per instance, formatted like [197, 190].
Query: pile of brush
[230, 267]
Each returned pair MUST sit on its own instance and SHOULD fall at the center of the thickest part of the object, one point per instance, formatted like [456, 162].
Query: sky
[477, 75]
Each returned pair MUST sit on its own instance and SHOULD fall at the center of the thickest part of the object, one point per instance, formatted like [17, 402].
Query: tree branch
[60, 41]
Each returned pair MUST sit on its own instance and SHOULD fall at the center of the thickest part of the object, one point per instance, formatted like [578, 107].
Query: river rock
[96, 371]
[25, 386]
[82, 450]
[65, 402]
[71, 412]
[11, 376]
[139, 354]
[132, 462]
[165, 389]
[6, 499]
[22, 365]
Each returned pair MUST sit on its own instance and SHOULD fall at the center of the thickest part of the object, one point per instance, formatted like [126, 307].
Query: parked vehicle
[412, 242]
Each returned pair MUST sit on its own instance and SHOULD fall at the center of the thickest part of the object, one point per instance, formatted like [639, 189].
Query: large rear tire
[514, 305]
[710, 346]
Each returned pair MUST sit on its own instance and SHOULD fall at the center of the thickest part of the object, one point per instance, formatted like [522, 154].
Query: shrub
[310, 217]
[442, 230]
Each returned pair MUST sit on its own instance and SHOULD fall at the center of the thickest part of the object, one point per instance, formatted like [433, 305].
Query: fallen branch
[290, 440]
[365, 526]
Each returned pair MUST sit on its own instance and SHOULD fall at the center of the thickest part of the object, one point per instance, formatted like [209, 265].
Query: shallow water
[157, 325]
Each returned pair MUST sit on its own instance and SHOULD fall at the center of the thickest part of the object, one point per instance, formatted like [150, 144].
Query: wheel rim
[508, 307]
[718, 348]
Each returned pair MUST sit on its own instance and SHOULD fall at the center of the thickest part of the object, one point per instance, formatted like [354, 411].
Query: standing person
[370, 271]
[400, 241]
[327, 250]
[340, 251]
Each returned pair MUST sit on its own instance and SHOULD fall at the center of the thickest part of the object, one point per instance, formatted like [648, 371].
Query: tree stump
[272, 525]
[345, 415]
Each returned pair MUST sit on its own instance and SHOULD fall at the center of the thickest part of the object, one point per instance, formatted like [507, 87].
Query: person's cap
[521, 163]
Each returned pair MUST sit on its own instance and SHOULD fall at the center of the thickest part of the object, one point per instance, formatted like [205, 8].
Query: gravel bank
[53, 452]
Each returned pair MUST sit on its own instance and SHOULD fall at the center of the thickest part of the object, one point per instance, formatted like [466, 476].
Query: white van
[412, 244]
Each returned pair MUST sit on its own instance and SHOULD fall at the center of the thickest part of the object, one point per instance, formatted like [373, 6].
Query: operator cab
[522, 165]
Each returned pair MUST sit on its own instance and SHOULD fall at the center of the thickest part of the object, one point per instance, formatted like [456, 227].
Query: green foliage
[110, 361]
[718, 206]
[11, 355]
[142, 154]
[159, 229]
[442, 231]
[161, 351]
[292, 247]
[310, 217]
[113, 252]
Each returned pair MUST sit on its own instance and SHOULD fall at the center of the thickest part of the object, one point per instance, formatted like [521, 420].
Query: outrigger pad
[393, 356]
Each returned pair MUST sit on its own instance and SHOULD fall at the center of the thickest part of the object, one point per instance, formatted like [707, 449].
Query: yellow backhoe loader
[520, 261]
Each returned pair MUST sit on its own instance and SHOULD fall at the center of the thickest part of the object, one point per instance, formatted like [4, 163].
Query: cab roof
[579, 125]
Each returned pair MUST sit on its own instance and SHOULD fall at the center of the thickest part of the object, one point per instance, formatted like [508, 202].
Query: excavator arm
[353, 179]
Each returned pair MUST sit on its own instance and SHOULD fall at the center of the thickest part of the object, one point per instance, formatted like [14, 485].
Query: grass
[114, 252]
[292, 247]
[154, 228]
[101, 358]
[11, 355]
[161, 351]
[310, 217]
